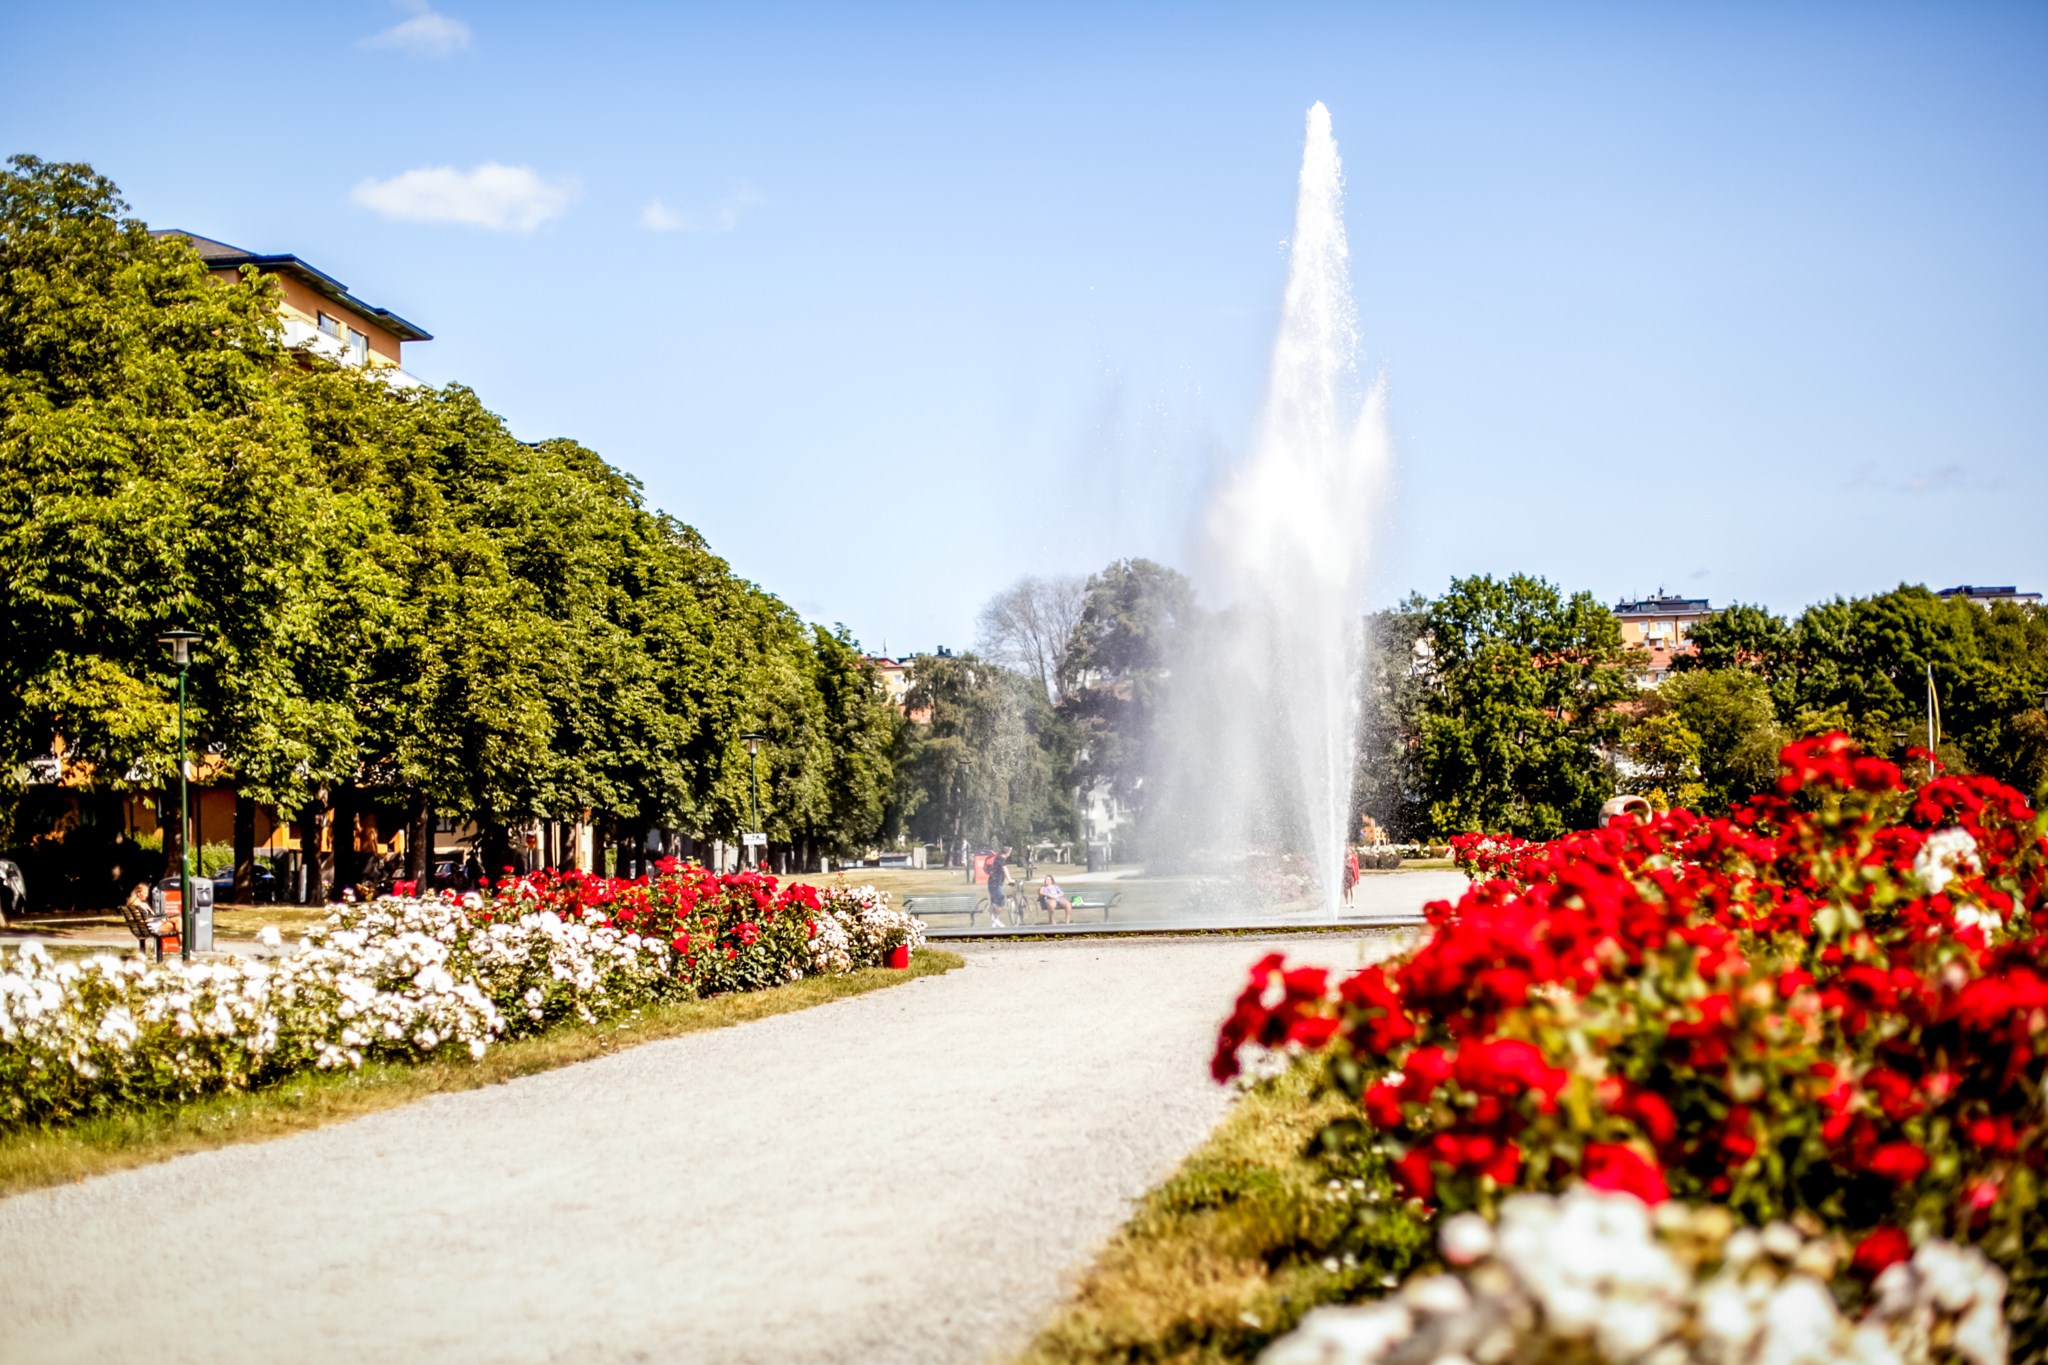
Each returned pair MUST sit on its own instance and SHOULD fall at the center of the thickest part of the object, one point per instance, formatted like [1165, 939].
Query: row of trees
[1509, 704]
[402, 607]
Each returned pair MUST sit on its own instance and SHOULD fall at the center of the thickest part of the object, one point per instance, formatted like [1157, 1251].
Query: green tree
[1135, 616]
[149, 474]
[985, 766]
[1393, 690]
[1518, 707]
[1707, 739]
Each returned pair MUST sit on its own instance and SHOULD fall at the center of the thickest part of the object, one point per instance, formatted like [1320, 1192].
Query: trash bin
[166, 899]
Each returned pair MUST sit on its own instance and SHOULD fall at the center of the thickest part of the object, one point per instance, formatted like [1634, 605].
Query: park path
[909, 1175]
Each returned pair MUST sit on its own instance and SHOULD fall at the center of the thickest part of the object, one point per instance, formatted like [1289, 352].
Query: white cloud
[721, 216]
[429, 33]
[502, 198]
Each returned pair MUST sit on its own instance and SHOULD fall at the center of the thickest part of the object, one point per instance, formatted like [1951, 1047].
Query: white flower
[1946, 854]
[1465, 1239]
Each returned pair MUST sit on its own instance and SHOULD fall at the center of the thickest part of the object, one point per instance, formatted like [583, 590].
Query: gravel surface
[910, 1175]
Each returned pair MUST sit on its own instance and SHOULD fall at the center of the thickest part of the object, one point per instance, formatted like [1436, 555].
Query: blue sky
[898, 303]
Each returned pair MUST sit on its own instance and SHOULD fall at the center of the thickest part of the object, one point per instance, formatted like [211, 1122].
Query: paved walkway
[911, 1175]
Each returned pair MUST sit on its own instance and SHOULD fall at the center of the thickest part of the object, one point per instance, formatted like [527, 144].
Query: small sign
[753, 839]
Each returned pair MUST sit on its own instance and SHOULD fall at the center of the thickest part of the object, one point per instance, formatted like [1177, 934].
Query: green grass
[1238, 1245]
[50, 1156]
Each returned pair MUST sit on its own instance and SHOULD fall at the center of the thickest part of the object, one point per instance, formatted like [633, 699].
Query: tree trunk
[245, 850]
[494, 843]
[312, 829]
[419, 840]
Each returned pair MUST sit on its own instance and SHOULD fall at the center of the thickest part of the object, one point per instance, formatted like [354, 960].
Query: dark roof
[221, 256]
[1664, 606]
[1966, 590]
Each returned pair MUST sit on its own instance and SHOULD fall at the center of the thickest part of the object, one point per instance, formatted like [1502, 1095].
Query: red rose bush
[1830, 1004]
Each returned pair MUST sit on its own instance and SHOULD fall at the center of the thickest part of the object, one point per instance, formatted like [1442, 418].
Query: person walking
[998, 879]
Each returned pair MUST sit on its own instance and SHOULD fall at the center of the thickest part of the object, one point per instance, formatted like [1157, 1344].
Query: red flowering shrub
[731, 932]
[1833, 1000]
[1480, 856]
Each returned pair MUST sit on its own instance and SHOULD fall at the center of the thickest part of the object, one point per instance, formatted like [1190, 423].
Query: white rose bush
[1600, 1276]
[410, 978]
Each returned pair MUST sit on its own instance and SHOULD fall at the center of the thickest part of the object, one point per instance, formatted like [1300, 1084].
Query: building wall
[302, 302]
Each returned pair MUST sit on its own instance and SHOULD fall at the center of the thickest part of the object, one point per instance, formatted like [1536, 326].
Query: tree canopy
[396, 597]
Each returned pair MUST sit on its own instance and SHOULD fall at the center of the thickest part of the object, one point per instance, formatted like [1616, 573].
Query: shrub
[410, 978]
[1832, 1002]
[1596, 1277]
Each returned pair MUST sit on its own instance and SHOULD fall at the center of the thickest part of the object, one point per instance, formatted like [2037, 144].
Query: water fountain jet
[1273, 701]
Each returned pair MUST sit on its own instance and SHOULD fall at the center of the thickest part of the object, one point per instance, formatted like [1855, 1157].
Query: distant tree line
[401, 606]
[1508, 705]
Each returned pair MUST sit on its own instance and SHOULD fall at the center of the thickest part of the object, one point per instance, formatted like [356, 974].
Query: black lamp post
[754, 739]
[179, 640]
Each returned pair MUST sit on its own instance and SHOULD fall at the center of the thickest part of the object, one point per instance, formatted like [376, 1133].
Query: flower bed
[1593, 1276]
[411, 978]
[1831, 1004]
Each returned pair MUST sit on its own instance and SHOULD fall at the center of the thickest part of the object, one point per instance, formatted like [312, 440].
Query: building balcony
[302, 335]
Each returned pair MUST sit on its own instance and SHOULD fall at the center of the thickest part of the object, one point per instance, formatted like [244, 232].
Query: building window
[331, 326]
[359, 346]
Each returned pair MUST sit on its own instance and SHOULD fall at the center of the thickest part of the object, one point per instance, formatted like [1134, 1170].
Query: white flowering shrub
[86, 1037]
[1595, 1276]
[535, 969]
[398, 978]
[862, 916]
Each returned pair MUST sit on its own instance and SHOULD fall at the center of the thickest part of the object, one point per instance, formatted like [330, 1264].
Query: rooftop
[1661, 605]
[2008, 593]
[221, 256]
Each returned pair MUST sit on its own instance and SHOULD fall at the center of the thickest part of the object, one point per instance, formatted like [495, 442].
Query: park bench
[1026, 898]
[965, 903]
[152, 933]
[1084, 901]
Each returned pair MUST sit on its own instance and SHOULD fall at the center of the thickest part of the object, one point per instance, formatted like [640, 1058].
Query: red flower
[1415, 1174]
[1383, 1105]
[1612, 1166]
[1901, 1162]
[1980, 1195]
[1885, 1246]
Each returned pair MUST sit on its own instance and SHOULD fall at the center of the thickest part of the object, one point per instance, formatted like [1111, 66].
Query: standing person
[1350, 871]
[998, 878]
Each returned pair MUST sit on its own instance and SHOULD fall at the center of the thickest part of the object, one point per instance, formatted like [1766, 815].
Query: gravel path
[909, 1175]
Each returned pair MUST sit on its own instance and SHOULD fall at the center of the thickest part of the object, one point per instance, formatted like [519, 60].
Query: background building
[1657, 630]
[317, 310]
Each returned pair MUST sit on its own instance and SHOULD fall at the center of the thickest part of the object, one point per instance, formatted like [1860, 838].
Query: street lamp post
[179, 639]
[753, 739]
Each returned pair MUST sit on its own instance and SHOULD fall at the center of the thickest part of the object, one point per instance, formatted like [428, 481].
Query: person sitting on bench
[149, 927]
[1052, 900]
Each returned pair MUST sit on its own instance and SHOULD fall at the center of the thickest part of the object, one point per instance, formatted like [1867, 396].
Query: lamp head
[179, 639]
[753, 739]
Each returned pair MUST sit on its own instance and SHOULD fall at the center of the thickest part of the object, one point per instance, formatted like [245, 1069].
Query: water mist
[1273, 688]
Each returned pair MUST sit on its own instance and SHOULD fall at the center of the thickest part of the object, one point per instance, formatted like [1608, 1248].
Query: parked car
[13, 890]
[263, 892]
